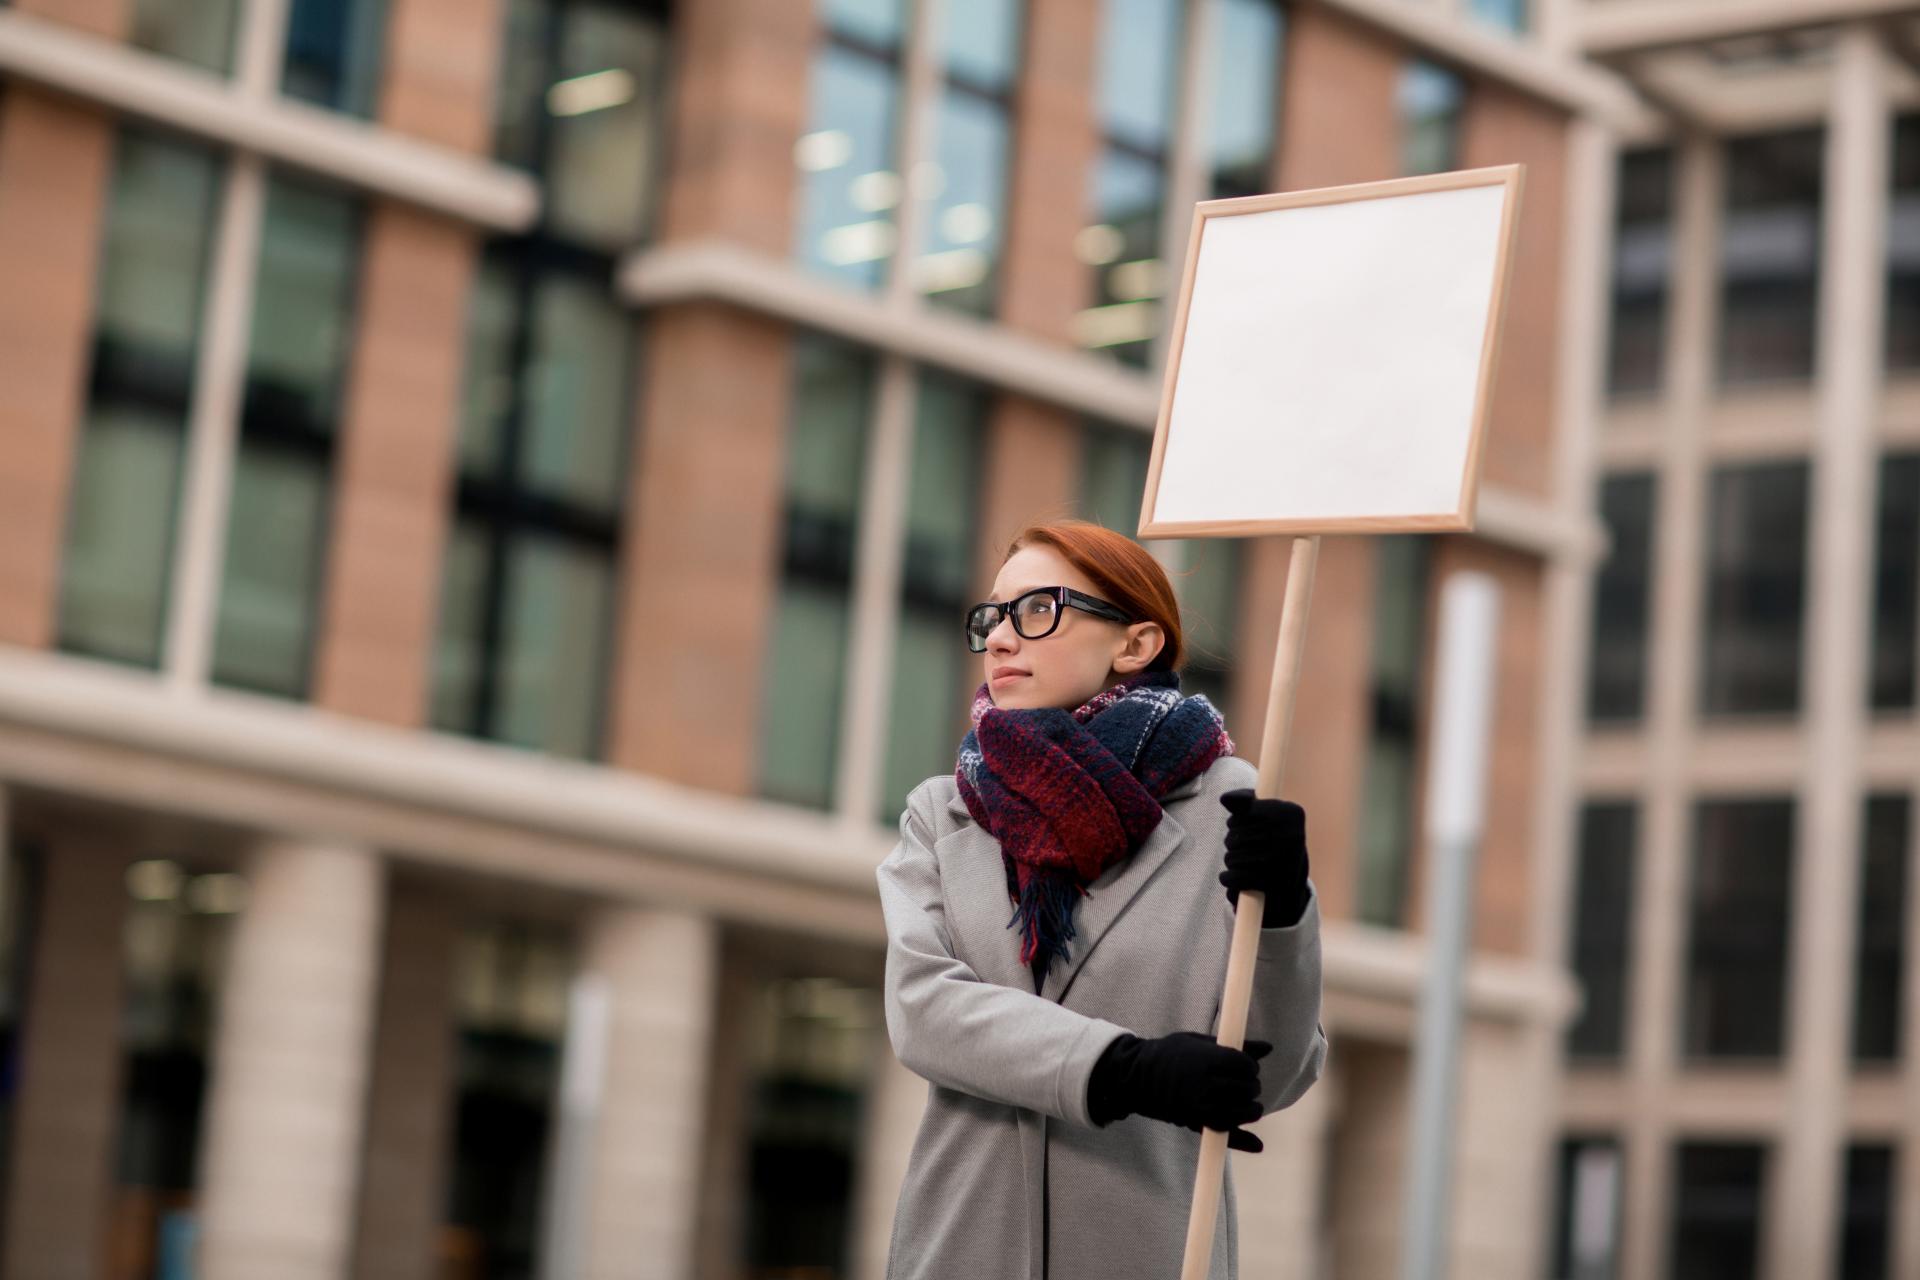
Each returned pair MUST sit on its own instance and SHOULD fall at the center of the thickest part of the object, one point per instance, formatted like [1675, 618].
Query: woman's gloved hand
[1185, 1079]
[1267, 853]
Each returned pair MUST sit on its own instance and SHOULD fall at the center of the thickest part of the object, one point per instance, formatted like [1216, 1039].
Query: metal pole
[1456, 802]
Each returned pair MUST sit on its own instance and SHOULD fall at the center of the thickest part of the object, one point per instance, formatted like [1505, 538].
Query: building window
[1403, 567]
[1508, 15]
[1642, 271]
[1880, 949]
[175, 941]
[1903, 248]
[153, 264]
[811, 1044]
[1113, 476]
[511, 983]
[1738, 919]
[1602, 933]
[1716, 1211]
[934, 675]
[1430, 100]
[1770, 257]
[1756, 589]
[1209, 613]
[1586, 1230]
[333, 53]
[581, 107]
[282, 478]
[958, 264]
[1243, 106]
[1895, 578]
[199, 32]
[806, 659]
[1140, 43]
[1617, 661]
[850, 185]
[527, 598]
[1866, 1229]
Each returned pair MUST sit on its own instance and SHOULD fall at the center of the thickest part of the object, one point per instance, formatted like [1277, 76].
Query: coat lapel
[1107, 899]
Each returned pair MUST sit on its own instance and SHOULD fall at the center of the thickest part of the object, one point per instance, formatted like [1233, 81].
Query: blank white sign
[1330, 359]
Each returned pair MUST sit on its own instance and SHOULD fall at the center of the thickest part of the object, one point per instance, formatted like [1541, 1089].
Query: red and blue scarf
[1069, 794]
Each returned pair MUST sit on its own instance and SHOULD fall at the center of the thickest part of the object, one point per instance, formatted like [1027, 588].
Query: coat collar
[977, 901]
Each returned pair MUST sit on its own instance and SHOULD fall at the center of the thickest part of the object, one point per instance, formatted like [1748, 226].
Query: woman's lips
[1003, 677]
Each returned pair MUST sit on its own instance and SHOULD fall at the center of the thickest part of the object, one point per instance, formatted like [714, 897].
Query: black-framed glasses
[1035, 614]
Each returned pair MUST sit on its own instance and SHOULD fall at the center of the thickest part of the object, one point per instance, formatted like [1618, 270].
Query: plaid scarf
[1068, 794]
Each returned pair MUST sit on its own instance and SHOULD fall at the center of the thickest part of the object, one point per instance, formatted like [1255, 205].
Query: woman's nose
[1003, 638]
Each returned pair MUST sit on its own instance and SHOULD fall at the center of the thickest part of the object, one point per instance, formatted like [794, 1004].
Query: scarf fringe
[1044, 914]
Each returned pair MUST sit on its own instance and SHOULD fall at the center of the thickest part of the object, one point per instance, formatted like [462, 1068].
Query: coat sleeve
[957, 1030]
[1285, 1010]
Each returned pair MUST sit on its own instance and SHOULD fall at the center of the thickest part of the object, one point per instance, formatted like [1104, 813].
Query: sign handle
[1209, 1178]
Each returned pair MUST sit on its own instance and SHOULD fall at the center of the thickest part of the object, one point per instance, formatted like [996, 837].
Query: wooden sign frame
[1458, 520]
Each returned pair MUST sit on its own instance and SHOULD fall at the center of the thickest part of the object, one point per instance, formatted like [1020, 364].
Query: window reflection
[849, 184]
[199, 32]
[114, 574]
[581, 106]
[1431, 97]
[1738, 921]
[1243, 107]
[1642, 264]
[1756, 588]
[1896, 576]
[1617, 661]
[1770, 257]
[1602, 915]
[965, 188]
[333, 53]
[1903, 248]
[1140, 43]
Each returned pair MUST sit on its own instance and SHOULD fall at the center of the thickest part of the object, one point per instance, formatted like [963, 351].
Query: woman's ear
[1144, 642]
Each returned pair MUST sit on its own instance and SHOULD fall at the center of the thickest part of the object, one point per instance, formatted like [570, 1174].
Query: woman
[1065, 1046]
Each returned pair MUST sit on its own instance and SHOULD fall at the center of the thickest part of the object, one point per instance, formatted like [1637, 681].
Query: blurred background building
[488, 489]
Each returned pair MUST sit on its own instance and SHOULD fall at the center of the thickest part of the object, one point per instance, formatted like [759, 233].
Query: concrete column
[1277, 1193]
[1369, 1139]
[287, 1091]
[410, 1092]
[1806, 1177]
[896, 1099]
[1659, 915]
[67, 1111]
[660, 967]
[1502, 1206]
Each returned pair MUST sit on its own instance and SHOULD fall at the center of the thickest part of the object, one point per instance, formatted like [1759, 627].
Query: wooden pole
[1209, 1178]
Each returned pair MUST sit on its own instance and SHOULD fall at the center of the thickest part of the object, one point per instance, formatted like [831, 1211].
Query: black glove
[1267, 852]
[1183, 1079]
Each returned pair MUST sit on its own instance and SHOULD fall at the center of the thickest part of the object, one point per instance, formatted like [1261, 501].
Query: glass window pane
[520, 97]
[1508, 15]
[273, 555]
[1903, 248]
[826, 463]
[1602, 915]
[491, 375]
[1139, 64]
[459, 665]
[933, 671]
[1770, 257]
[1122, 244]
[959, 266]
[1586, 1234]
[575, 388]
[1642, 265]
[981, 41]
[302, 308]
[1895, 579]
[805, 669]
[1617, 671]
[1209, 589]
[1738, 928]
[333, 53]
[120, 535]
[1113, 477]
[605, 117]
[553, 638]
[1880, 949]
[1866, 1230]
[1387, 817]
[876, 22]
[849, 188]
[1716, 1210]
[119, 540]
[1430, 101]
[1756, 569]
[1244, 97]
[196, 31]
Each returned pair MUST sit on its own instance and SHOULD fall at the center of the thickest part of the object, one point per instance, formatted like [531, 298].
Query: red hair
[1123, 573]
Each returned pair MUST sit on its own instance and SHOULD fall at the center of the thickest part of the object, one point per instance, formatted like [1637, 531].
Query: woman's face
[1084, 654]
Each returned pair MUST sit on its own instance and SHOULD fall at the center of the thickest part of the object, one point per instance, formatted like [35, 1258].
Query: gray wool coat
[1008, 1178]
